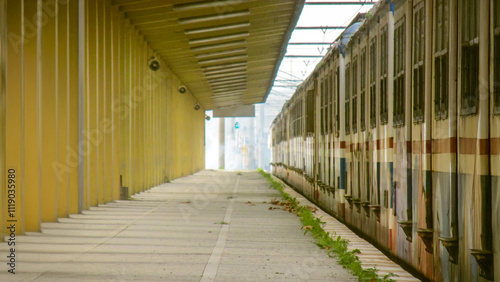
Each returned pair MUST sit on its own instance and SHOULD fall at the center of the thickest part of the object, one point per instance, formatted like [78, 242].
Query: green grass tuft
[334, 247]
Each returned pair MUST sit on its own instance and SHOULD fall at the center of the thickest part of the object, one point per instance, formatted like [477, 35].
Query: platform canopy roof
[226, 52]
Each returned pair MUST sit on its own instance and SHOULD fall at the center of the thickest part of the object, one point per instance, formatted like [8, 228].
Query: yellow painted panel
[100, 115]
[32, 212]
[14, 100]
[47, 116]
[120, 107]
[72, 149]
[106, 127]
[116, 89]
[62, 120]
[90, 132]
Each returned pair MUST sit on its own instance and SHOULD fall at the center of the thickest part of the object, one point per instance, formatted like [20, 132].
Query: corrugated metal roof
[226, 52]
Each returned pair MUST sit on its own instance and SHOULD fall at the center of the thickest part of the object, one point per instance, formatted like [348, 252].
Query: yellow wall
[134, 122]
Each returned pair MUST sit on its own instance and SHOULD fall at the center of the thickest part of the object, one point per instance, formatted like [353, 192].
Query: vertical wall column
[14, 99]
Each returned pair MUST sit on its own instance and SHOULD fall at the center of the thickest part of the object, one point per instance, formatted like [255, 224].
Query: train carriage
[403, 237]
[362, 153]
[401, 135]
[322, 137]
[444, 136]
[338, 163]
[345, 101]
[474, 182]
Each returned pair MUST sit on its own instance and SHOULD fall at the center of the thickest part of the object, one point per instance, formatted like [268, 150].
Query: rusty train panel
[398, 134]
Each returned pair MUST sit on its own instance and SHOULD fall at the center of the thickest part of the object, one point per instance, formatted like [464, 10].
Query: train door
[473, 129]
[444, 139]
[347, 134]
[421, 136]
[355, 147]
[317, 137]
[331, 154]
[373, 171]
[401, 119]
[364, 172]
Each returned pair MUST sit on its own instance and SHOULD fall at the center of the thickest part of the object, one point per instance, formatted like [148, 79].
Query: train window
[291, 121]
[295, 108]
[299, 118]
[347, 97]
[470, 57]
[327, 104]
[295, 121]
[325, 85]
[399, 73]
[383, 76]
[441, 61]
[373, 82]
[330, 88]
[418, 63]
[355, 95]
[285, 135]
[337, 101]
[496, 64]
[310, 111]
[363, 90]
[322, 108]
[301, 124]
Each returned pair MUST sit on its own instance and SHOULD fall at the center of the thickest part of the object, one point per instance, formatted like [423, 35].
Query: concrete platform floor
[211, 226]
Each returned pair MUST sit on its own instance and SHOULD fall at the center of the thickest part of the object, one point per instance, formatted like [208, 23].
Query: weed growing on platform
[314, 225]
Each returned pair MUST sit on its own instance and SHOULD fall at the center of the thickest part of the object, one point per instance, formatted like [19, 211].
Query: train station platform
[210, 226]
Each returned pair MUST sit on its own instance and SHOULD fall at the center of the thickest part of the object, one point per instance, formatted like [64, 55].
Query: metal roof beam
[320, 27]
[341, 3]
[304, 56]
[309, 43]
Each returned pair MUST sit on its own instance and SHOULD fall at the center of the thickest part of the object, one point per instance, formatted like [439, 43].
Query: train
[396, 133]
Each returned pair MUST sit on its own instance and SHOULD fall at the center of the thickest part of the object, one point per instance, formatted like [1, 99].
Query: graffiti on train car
[397, 134]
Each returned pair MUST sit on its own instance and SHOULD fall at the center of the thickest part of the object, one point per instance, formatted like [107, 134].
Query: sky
[294, 70]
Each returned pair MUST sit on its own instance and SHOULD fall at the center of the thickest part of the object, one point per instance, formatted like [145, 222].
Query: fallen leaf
[307, 227]
[312, 209]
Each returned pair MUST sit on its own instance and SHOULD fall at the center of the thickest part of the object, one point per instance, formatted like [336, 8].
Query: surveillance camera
[207, 117]
[197, 106]
[182, 89]
[154, 64]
